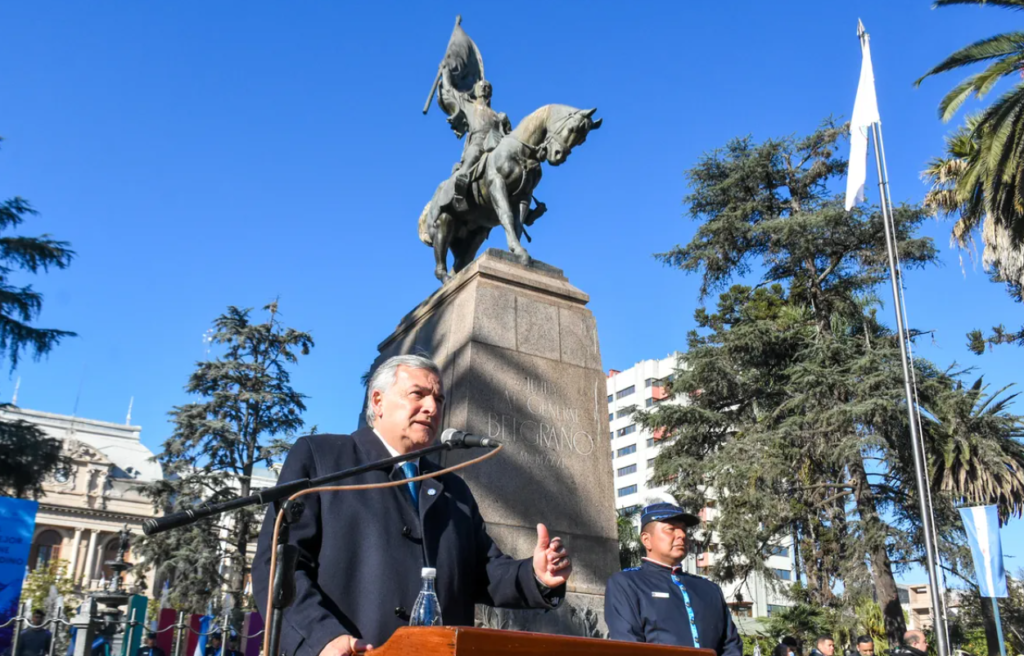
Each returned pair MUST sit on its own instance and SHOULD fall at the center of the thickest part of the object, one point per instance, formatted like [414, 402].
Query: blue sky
[199, 156]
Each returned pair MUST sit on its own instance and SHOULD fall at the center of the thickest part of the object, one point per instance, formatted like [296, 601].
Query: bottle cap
[428, 573]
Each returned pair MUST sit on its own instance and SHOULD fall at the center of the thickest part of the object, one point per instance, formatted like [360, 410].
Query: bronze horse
[502, 184]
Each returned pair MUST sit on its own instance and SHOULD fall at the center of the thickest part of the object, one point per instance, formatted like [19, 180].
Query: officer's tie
[410, 471]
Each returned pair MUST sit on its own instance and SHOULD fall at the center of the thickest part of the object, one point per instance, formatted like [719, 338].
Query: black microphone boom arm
[276, 493]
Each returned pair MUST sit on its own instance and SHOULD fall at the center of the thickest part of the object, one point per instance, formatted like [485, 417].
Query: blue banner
[982, 524]
[17, 521]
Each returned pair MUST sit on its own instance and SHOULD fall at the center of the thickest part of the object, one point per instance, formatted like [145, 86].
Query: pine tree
[29, 455]
[245, 419]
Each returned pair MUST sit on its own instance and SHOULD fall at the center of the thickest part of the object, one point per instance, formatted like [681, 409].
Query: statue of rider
[484, 128]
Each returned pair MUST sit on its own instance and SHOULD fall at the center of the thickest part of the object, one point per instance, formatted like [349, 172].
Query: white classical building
[642, 386]
[84, 506]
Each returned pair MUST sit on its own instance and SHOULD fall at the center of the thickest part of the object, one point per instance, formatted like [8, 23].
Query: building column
[76, 546]
[90, 557]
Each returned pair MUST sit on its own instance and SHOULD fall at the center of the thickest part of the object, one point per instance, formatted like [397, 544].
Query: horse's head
[567, 132]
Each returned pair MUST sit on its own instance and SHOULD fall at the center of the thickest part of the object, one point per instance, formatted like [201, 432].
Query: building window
[742, 611]
[621, 394]
[779, 551]
[650, 381]
[649, 402]
[609, 398]
[626, 450]
[626, 491]
[784, 574]
[627, 430]
[650, 442]
[610, 416]
[775, 608]
[623, 413]
[45, 548]
[628, 510]
[650, 463]
[631, 469]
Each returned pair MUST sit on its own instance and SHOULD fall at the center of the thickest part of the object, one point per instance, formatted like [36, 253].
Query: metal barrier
[23, 622]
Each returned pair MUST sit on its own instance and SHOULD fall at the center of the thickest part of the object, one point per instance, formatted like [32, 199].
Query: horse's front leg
[444, 227]
[500, 202]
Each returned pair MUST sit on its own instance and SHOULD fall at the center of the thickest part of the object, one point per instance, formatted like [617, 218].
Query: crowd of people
[915, 643]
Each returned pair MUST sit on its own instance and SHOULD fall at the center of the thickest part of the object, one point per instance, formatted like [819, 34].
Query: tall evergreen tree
[794, 386]
[245, 419]
[28, 454]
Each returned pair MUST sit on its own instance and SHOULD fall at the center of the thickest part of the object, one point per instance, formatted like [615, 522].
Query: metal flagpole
[927, 521]
[913, 383]
[999, 626]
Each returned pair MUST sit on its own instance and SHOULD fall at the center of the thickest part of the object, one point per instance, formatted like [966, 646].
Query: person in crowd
[233, 647]
[824, 645]
[213, 644]
[787, 647]
[915, 643]
[865, 646]
[658, 602]
[149, 647]
[35, 639]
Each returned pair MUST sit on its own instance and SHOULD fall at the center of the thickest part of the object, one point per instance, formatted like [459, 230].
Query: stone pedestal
[520, 360]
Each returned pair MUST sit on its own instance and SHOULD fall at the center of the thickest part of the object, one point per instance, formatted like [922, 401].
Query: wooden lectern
[464, 641]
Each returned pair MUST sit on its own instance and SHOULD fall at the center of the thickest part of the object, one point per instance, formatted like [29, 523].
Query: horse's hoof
[523, 258]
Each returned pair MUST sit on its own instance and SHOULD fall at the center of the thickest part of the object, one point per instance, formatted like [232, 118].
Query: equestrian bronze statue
[493, 183]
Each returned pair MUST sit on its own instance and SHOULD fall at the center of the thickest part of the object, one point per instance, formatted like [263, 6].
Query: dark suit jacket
[361, 552]
[643, 604]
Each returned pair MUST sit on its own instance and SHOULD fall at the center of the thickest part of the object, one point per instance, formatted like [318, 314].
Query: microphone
[456, 439]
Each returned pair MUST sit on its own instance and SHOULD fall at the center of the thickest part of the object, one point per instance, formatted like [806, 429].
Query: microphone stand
[287, 554]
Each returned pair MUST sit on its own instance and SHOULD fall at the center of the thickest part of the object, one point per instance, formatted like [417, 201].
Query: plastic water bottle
[427, 610]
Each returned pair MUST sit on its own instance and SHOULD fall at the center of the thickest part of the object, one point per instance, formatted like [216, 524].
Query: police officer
[661, 604]
[149, 647]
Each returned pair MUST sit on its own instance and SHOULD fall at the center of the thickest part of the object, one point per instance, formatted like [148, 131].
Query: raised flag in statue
[865, 113]
[982, 525]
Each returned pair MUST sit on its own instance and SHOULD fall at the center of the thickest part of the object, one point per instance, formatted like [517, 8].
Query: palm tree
[631, 550]
[957, 192]
[976, 452]
[985, 183]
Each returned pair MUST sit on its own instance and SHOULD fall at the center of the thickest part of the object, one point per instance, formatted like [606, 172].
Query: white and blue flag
[982, 524]
[205, 626]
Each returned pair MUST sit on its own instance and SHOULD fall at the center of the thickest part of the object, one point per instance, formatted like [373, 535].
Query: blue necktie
[409, 469]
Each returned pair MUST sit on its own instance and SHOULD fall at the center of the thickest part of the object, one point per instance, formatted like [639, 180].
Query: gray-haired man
[361, 552]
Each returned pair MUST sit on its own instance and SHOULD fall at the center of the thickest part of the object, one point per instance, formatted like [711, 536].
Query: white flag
[865, 112]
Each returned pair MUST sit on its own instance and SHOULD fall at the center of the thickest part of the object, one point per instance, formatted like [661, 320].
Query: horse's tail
[424, 226]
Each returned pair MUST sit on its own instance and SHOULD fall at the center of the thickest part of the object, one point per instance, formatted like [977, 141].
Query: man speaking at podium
[361, 552]
[661, 604]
